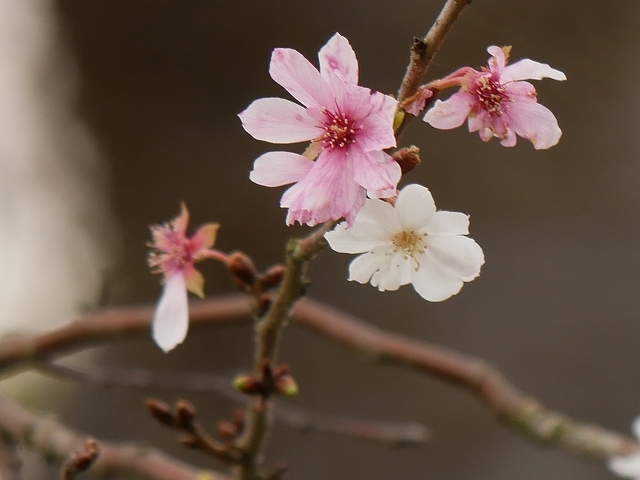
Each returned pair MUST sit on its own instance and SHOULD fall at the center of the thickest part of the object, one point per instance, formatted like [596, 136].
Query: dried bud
[407, 158]
[242, 269]
[272, 277]
[246, 384]
[185, 413]
[227, 431]
[160, 411]
[286, 385]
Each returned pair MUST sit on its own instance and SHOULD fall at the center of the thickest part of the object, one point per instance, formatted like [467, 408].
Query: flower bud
[272, 277]
[246, 384]
[287, 386]
[159, 410]
[407, 158]
[185, 412]
[242, 269]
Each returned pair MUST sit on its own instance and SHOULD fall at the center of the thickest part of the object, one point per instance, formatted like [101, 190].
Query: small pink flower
[498, 103]
[349, 126]
[174, 255]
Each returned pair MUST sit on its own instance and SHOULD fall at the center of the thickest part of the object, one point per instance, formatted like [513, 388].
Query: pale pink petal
[450, 113]
[529, 69]
[628, 467]
[204, 238]
[360, 238]
[448, 223]
[498, 62]
[394, 172]
[477, 122]
[414, 207]
[461, 255]
[182, 220]
[277, 120]
[327, 192]
[536, 123]
[375, 133]
[368, 173]
[364, 266]
[384, 106]
[509, 139]
[171, 319]
[392, 274]
[418, 101]
[520, 91]
[338, 57]
[300, 78]
[350, 100]
[434, 282]
[274, 169]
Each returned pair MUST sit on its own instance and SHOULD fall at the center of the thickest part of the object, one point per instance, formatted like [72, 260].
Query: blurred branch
[80, 460]
[516, 409]
[10, 461]
[55, 441]
[397, 433]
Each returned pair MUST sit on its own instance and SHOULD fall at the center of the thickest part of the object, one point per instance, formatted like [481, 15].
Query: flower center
[491, 94]
[340, 130]
[174, 254]
[411, 243]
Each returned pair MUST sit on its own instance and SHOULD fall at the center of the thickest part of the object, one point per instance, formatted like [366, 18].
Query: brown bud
[159, 410]
[188, 441]
[407, 158]
[246, 384]
[286, 385]
[227, 431]
[83, 458]
[272, 277]
[185, 413]
[242, 269]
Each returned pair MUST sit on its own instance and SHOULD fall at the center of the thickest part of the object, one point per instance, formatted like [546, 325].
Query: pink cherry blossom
[498, 103]
[174, 255]
[349, 127]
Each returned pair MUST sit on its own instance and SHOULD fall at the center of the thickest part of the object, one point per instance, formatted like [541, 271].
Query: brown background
[556, 307]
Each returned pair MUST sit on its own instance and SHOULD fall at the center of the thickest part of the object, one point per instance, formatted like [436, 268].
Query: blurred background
[113, 111]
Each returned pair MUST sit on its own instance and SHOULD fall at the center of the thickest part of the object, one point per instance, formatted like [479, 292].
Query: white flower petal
[635, 427]
[380, 212]
[171, 319]
[393, 272]
[628, 466]
[414, 207]
[361, 269]
[461, 255]
[274, 169]
[362, 237]
[434, 282]
[529, 69]
[338, 57]
[448, 223]
[277, 120]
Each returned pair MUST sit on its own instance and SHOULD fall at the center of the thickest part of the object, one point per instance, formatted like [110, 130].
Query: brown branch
[268, 332]
[10, 461]
[80, 460]
[398, 433]
[54, 441]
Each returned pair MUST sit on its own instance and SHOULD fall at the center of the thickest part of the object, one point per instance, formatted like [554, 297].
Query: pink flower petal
[205, 237]
[451, 113]
[277, 120]
[393, 170]
[182, 220]
[529, 69]
[350, 100]
[536, 123]
[274, 169]
[327, 192]
[171, 319]
[338, 57]
[414, 207]
[384, 106]
[376, 133]
[301, 79]
[498, 62]
[368, 173]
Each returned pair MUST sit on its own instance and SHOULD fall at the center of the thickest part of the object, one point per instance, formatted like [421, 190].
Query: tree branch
[55, 441]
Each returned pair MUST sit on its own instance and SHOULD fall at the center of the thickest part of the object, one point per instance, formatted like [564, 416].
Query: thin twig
[398, 433]
[55, 441]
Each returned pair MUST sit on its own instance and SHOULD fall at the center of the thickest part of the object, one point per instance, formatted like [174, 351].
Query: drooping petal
[205, 237]
[434, 282]
[529, 69]
[327, 192]
[368, 173]
[414, 207]
[452, 112]
[300, 78]
[364, 266]
[628, 467]
[277, 120]
[338, 57]
[536, 123]
[462, 255]
[448, 223]
[393, 170]
[499, 60]
[171, 319]
[274, 169]
[362, 237]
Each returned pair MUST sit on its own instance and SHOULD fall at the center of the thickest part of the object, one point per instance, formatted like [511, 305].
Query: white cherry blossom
[629, 465]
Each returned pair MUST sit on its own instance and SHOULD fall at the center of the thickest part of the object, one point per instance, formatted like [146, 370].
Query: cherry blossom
[174, 255]
[349, 127]
[411, 243]
[628, 466]
[498, 103]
